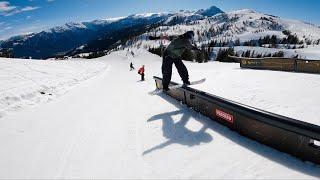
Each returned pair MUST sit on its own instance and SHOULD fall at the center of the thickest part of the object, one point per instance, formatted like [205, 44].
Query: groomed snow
[22, 81]
[109, 127]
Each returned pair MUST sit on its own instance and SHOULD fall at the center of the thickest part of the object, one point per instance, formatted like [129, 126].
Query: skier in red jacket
[141, 72]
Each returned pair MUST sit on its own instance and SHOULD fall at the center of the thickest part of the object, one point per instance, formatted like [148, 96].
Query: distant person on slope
[141, 72]
[131, 66]
[132, 53]
[172, 55]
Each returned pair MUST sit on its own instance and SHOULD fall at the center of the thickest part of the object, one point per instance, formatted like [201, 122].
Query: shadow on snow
[177, 133]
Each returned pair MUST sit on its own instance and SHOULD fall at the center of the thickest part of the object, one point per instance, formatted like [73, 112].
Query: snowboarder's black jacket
[177, 47]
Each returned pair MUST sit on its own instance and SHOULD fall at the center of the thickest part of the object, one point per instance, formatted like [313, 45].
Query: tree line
[224, 54]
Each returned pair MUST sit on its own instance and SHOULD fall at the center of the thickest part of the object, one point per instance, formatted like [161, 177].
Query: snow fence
[281, 64]
[285, 134]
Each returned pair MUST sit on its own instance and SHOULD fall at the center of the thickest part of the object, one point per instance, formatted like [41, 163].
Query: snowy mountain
[98, 34]
[213, 10]
[246, 25]
[243, 28]
[213, 27]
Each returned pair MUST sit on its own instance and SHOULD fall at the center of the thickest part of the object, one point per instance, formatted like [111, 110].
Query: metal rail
[288, 135]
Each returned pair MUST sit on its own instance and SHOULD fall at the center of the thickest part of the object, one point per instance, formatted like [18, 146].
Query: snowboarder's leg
[166, 72]
[182, 70]
[142, 77]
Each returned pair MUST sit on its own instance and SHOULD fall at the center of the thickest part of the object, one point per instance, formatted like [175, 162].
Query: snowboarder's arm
[173, 37]
[154, 38]
[192, 47]
[170, 38]
[196, 48]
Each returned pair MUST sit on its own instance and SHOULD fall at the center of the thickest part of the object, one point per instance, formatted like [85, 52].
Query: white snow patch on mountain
[114, 19]
[147, 15]
[67, 27]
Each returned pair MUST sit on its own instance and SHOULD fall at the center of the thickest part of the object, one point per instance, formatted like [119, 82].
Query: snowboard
[172, 87]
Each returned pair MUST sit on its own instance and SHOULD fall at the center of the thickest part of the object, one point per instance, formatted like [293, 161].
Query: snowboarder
[141, 72]
[172, 55]
[131, 66]
[132, 53]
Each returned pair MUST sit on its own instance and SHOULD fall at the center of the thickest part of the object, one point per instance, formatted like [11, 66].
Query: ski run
[84, 119]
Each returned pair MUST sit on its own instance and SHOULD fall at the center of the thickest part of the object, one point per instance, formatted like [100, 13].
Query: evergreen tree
[247, 53]
[278, 54]
[273, 41]
[268, 55]
[7, 53]
[259, 56]
[237, 42]
[223, 55]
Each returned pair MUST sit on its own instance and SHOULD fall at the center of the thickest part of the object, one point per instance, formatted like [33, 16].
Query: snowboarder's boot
[165, 88]
[186, 83]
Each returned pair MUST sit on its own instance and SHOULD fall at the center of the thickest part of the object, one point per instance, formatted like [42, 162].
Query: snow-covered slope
[109, 127]
[24, 82]
[243, 25]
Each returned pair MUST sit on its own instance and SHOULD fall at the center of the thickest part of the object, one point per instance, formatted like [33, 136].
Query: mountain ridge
[213, 24]
[62, 39]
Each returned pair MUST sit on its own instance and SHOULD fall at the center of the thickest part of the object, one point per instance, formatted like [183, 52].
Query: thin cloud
[3, 25]
[6, 9]
[5, 29]
[29, 8]
[9, 31]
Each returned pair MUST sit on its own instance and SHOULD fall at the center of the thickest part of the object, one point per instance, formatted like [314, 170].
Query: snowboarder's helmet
[189, 34]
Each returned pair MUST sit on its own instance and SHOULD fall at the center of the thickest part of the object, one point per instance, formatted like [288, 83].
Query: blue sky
[25, 16]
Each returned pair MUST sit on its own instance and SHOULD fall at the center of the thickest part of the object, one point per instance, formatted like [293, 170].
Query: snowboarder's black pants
[142, 77]
[167, 70]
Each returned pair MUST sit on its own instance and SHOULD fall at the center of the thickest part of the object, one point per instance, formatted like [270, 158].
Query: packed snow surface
[30, 82]
[109, 127]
